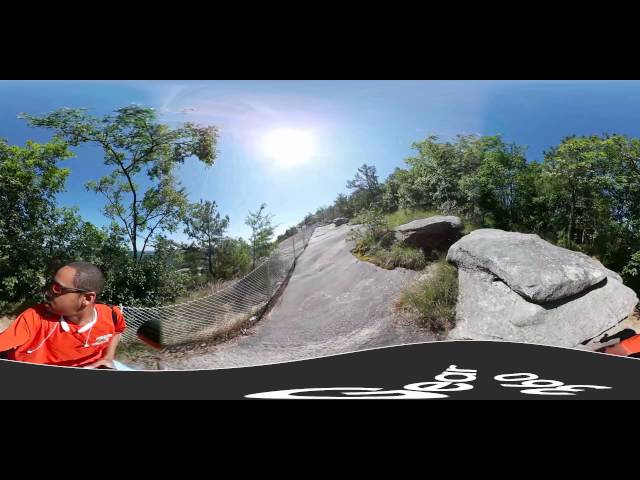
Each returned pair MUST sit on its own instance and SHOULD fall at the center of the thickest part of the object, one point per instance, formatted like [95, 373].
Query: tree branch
[144, 246]
[112, 202]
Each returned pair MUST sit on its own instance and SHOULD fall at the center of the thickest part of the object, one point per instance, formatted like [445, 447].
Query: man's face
[67, 303]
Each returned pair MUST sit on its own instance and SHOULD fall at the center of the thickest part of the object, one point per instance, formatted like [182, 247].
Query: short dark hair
[87, 277]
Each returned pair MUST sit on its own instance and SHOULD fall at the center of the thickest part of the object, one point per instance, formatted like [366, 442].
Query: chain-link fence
[221, 311]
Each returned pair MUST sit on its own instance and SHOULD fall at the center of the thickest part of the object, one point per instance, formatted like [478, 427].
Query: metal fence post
[268, 276]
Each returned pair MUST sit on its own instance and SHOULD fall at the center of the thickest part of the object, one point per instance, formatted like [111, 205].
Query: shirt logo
[102, 339]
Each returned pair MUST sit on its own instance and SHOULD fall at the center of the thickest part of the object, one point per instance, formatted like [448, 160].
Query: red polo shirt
[630, 346]
[40, 336]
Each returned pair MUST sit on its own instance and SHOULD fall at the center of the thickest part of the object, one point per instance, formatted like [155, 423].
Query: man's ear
[90, 297]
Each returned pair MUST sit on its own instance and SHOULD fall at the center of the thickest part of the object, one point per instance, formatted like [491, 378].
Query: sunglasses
[56, 289]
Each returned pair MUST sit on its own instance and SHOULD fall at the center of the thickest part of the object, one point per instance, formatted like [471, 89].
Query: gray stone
[432, 233]
[530, 266]
[340, 221]
[487, 309]
[611, 273]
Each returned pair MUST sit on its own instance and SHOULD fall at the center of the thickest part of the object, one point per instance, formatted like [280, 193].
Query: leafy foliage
[261, 233]
[434, 298]
[136, 145]
[29, 180]
[206, 227]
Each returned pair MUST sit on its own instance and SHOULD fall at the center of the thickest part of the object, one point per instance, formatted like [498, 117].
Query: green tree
[233, 258]
[578, 174]
[29, 180]
[498, 185]
[261, 233]
[151, 281]
[365, 187]
[390, 199]
[344, 206]
[631, 272]
[69, 238]
[206, 227]
[434, 175]
[623, 160]
[134, 144]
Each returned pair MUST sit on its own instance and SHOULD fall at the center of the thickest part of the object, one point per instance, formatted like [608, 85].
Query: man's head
[74, 287]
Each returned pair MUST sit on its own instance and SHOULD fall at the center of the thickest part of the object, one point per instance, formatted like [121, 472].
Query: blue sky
[350, 122]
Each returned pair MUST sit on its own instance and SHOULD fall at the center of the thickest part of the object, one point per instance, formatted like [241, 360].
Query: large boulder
[433, 233]
[488, 309]
[340, 221]
[527, 264]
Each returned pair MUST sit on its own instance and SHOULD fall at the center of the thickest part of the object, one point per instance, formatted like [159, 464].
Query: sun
[288, 147]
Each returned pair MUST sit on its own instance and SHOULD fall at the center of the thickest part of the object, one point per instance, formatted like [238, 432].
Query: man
[70, 329]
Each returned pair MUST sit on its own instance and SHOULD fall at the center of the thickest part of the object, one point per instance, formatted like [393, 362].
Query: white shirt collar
[66, 328]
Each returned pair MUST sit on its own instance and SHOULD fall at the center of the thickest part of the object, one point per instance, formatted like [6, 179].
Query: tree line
[584, 194]
[144, 203]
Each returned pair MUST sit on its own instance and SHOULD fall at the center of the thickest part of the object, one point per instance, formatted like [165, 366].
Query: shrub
[377, 243]
[406, 257]
[434, 298]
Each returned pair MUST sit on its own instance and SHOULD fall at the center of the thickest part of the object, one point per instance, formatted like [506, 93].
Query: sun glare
[289, 147]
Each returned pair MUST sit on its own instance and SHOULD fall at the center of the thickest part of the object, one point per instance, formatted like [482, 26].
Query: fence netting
[209, 316]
